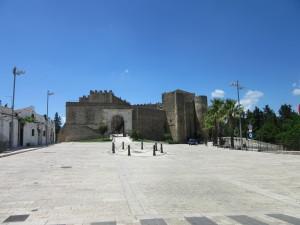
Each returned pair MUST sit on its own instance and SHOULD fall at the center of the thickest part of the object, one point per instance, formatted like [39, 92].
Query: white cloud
[296, 92]
[218, 93]
[251, 98]
[63, 120]
[124, 74]
[296, 88]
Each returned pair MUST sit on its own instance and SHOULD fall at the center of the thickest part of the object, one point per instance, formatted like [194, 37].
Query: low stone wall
[77, 133]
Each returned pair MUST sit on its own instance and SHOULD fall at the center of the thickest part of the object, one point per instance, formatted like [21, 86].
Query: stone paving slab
[82, 183]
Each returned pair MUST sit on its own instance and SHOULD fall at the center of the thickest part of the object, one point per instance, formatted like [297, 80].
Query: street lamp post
[16, 72]
[238, 88]
[48, 95]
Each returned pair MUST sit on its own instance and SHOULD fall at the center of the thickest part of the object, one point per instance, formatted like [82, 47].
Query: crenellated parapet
[149, 106]
[103, 97]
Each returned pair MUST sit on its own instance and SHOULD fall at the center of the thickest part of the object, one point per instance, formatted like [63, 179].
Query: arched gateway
[117, 125]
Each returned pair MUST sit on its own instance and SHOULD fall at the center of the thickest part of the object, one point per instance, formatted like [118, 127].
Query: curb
[19, 152]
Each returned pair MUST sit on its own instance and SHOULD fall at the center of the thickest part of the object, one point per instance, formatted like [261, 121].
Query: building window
[32, 132]
[44, 133]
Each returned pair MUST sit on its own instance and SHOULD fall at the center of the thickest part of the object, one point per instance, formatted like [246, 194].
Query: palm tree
[214, 118]
[230, 112]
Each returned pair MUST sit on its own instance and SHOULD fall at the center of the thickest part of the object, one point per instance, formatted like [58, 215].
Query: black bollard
[142, 145]
[154, 151]
[113, 148]
[129, 154]
[161, 148]
[155, 146]
[123, 145]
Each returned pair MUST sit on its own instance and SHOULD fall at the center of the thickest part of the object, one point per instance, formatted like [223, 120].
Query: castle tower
[200, 109]
[180, 112]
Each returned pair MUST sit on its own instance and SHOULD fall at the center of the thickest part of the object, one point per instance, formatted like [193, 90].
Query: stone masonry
[180, 114]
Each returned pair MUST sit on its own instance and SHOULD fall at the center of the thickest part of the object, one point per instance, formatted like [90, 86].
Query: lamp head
[50, 93]
[17, 72]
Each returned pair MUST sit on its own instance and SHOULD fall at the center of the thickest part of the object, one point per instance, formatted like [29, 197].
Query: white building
[30, 128]
[5, 126]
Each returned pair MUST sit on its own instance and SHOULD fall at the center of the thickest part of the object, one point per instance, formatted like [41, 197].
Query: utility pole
[16, 72]
[48, 95]
[238, 88]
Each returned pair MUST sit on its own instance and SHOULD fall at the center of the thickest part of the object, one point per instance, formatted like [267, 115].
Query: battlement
[149, 106]
[103, 97]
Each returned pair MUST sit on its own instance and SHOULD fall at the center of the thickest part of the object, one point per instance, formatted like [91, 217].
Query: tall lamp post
[48, 95]
[238, 88]
[16, 72]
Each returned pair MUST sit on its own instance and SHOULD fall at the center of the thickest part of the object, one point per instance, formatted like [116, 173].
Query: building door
[21, 139]
[117, 125]
[39, 137]
[10, 135]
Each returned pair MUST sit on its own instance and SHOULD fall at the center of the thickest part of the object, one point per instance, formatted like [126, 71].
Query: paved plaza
[84, 183]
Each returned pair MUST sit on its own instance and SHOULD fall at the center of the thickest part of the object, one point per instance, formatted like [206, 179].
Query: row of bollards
[114, 148]
[142, 147]
[155, 148]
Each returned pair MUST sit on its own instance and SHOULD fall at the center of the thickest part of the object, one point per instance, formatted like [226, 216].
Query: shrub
[28, 119]
[135, 135]
[168, 137]
[102, 129]
[172, 142]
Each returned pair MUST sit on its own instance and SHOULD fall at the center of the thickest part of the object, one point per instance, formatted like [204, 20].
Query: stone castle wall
[184, 113]
[84, 119]
[169, 106]
[149, 122]
[181, 113]
[200, 109]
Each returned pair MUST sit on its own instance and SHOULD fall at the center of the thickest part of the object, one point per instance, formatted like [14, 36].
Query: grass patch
[171, 142]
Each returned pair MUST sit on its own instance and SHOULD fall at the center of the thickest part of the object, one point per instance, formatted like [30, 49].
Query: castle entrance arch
[117, 125]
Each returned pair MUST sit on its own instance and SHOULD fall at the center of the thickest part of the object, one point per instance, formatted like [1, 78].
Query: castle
[180, 115]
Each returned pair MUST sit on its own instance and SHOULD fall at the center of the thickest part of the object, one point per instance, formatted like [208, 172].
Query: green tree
[269, 129]
[283, 129]
[58, 124]
[258, 119]
[290, 138]
[285, 112]
[231, 112]
[214, 118]
[289, 135]
[268, 132]
[269, 115]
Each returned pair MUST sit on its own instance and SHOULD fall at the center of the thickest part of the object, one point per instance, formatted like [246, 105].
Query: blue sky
[141, 48]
